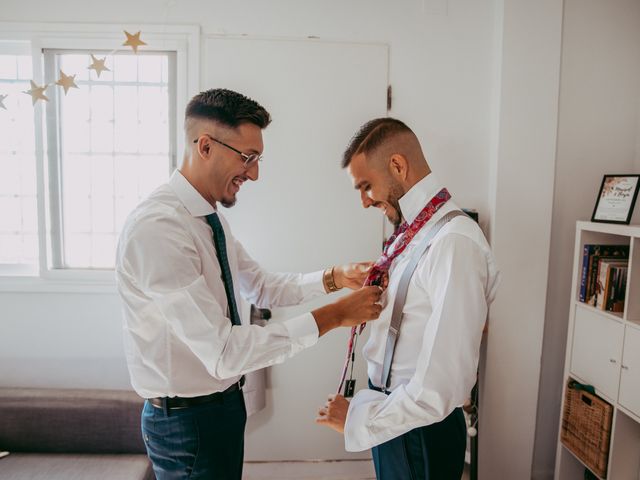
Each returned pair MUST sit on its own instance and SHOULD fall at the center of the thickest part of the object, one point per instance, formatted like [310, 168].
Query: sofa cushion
[70, 421]
[45, 466]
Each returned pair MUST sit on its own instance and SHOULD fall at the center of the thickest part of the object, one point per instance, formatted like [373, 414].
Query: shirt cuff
[303, 330]
[312, 284]
[357, 431]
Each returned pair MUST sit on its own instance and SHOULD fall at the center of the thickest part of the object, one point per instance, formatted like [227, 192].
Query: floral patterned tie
[379, 273]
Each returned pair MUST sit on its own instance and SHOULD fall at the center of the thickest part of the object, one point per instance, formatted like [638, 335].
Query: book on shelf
[592, 254]
[618, 288]
[608, 284]
[587, 255]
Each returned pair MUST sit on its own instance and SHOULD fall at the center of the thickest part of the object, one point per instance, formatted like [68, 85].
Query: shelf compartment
[571, 467]
[624, 459]
[586, 427]
[597, 349]
[632, 307]
[629, 396]
[588, 272]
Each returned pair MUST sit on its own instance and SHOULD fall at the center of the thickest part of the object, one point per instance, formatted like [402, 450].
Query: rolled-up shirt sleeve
[454, 276]
[164, 284]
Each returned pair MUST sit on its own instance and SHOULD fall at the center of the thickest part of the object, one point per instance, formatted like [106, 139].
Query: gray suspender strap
[401, 295]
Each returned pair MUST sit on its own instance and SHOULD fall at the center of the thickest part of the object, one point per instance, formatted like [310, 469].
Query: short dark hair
[371, 136]
[228, 108]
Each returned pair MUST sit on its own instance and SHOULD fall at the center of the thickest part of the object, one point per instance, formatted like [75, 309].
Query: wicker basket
[586, 428]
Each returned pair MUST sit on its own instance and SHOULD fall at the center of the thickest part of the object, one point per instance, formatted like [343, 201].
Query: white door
[303, 214]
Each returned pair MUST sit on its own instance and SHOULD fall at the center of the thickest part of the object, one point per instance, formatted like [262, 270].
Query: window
[72, 168]
[18, 184]
[110, 143]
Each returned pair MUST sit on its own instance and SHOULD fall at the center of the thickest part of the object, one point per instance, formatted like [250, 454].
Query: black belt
[186, 402]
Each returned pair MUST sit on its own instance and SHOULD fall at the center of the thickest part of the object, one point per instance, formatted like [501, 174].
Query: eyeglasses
[249, 159]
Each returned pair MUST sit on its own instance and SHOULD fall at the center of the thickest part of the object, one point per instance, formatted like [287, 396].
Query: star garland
[37, 92]
[67, 82]
[98, 65]
[133, 41]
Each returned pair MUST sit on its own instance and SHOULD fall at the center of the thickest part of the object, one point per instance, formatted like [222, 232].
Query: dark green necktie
[220, 243]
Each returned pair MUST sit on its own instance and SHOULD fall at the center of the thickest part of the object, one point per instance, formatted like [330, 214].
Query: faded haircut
[371, 136]
[228, 108]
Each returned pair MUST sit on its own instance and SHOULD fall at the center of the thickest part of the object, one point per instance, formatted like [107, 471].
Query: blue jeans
[434, 452]
[201, 442]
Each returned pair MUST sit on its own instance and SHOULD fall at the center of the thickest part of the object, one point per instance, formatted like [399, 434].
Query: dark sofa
[71, 434]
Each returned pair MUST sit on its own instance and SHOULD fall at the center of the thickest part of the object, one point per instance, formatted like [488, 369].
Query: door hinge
[389, 98]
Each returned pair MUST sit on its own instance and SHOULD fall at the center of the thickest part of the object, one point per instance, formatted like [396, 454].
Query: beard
[229, 200]
[395, 193]
[228, 203]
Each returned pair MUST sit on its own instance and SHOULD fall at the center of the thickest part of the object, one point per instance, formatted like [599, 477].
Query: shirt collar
[412, 202]
[189, 196]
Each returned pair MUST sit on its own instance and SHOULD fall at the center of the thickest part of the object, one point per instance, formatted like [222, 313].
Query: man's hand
[359, 306]
[350, 310]
[351, 275]
[334, 413]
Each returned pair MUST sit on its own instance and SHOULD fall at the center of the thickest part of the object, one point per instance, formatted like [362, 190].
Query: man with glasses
[181, 274]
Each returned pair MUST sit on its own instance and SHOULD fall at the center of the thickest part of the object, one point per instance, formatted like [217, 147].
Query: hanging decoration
[37, 92]
[68, 81]
[133, 41]
[98, 65]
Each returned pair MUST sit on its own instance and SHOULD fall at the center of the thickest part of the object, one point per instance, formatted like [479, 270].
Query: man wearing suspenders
[422, 354]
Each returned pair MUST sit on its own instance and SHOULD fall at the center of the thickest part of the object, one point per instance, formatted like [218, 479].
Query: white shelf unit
[603, 350]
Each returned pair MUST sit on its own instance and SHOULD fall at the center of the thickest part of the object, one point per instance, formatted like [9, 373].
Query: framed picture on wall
[616, 199]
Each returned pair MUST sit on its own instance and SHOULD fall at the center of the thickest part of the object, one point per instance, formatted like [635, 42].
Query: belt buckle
[162, 406]
[234, 387]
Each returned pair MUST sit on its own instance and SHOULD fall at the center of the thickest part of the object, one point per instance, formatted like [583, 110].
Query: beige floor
[313, 470]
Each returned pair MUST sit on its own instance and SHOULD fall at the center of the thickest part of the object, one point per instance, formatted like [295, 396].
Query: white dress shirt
[436, 356]
[179, 340]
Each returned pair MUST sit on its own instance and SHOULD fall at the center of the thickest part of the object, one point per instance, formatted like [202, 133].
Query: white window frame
[17, 47]
[55, 245]
[183, 40]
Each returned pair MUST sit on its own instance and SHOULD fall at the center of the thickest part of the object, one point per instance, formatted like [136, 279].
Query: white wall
[61, 339]
[441, 69]
[598, 133]
[523, 161]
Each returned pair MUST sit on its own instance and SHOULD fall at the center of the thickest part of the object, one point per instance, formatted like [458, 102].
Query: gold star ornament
[37, 93]
[66, 81]
[133, 41]
[98, 65]
[2, 105]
